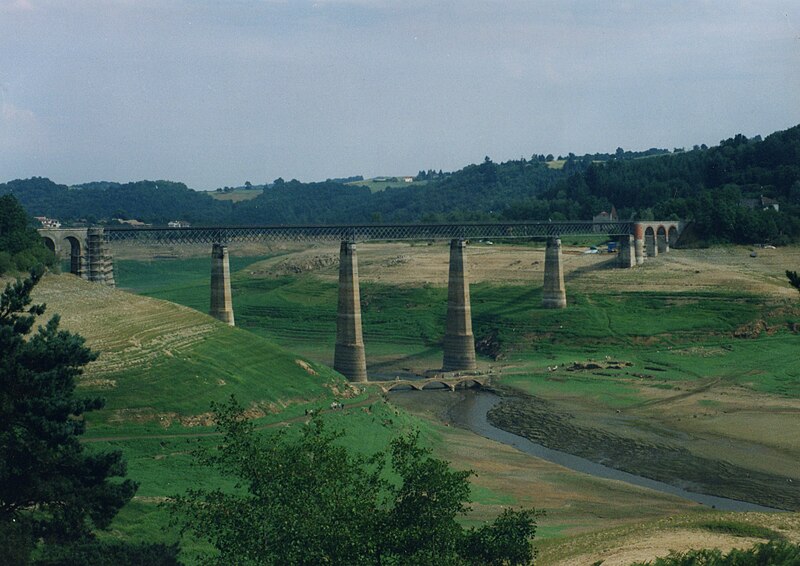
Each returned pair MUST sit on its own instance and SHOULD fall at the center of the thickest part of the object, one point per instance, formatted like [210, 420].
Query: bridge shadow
[390, 366]
[606, 265]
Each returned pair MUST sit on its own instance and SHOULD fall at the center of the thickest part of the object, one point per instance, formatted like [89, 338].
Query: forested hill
[472, 192]
[150, 201]
[730, 190]
[721, 188]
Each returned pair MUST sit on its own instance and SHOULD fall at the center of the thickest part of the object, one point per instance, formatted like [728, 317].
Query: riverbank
[540, 422]
[535, 427]
[587, 519]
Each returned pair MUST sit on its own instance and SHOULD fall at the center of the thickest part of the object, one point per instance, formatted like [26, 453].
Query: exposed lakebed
[532, 425]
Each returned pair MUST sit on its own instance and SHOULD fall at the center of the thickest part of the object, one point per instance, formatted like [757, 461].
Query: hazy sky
[219, 93]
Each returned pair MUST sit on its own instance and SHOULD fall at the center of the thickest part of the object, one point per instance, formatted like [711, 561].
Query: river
[467, 409]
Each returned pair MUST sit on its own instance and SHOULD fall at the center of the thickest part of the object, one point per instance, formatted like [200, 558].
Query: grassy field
[376, 186]
[237, 195]
[709, 363]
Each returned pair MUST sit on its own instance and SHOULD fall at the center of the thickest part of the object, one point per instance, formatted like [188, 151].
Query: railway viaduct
[89, 255]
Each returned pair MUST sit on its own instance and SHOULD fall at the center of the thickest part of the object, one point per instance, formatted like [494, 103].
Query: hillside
[708, 333]
[162, 364]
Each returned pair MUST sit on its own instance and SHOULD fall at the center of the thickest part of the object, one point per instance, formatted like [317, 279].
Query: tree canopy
[51, 488]
[20, 245]
[308, 500]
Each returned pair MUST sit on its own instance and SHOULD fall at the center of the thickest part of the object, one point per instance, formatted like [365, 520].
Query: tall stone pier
[99, 263]
[349, 358]
[221, 303]
[625, 252]
[554, 295]
[638, 243]
[459, 343]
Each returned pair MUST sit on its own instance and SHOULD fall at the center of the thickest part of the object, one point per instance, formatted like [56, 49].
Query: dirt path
[672, 398]
[623, 553]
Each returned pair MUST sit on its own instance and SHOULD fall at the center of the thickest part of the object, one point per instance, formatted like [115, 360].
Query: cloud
[11, 6]
[20, 128]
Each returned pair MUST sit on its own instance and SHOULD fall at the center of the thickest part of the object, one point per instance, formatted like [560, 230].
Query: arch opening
[75, 256]
[661, 240]
[49, 243]
[435, 385]
[650, 242]
[672, 236]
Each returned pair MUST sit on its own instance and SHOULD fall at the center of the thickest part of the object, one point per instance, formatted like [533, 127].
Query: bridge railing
[364, 232]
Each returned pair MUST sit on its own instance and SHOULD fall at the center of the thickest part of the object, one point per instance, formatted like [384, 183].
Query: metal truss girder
[364, 232]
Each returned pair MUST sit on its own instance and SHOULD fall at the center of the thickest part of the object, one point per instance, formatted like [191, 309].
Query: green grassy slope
[162, 364]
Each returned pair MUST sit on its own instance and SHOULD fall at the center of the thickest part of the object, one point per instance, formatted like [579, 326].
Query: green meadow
[683, 335]
[163, 364]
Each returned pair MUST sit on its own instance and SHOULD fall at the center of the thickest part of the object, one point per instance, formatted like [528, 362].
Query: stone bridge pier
[221, 302]
[554, 295]
[459, 342]
[626, 251]
[638, 243]
[349, 358]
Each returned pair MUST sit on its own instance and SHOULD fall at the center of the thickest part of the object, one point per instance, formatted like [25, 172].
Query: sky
[218, 93]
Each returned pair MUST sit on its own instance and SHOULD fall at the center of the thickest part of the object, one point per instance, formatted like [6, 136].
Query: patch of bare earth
[573, 502]
[656, 545]
[645, 542]
[124, 328]
[419, 263]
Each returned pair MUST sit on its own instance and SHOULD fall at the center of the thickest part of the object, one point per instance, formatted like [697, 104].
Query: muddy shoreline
[516, 418]
[540, 422]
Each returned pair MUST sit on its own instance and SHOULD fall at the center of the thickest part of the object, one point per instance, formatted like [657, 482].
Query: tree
[307, 500]
[794, 279]
[50, 488]
[21, 247]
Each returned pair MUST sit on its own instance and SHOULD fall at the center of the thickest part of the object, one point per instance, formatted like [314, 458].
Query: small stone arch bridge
[451, 383]
[90, 259]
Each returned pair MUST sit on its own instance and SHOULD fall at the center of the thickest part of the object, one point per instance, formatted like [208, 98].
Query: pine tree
[51, 489]
[794, 279]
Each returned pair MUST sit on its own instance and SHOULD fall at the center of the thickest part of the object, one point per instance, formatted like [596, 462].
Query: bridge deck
[364, 232]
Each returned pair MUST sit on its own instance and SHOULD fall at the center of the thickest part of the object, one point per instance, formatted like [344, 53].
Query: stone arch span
[86, 250]
[672, 235]
[49, 243]
[75, 248]
[436, 384]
